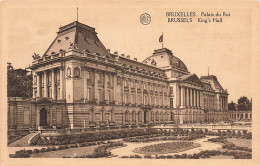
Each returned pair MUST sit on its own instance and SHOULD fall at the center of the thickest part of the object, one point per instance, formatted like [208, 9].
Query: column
[162, 95]
[186, 97]
[114, 87]
[53, 84]
[105, 87]
[182, 96]
[38, 85]
[61, 83]
[84, 77]
[123, 90]
[142, 93]
[95, 89]
[193, 97]
[136, 96]
[198, 98]
[190, 97]
[45, 83]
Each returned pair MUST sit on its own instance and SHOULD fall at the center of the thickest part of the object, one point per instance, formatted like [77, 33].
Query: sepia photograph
[125, 83]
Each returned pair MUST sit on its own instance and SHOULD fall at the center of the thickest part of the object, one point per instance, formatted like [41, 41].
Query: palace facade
[78, 83]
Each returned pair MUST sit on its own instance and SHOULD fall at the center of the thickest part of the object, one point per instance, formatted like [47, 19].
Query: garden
[168, 147]
[144, 143]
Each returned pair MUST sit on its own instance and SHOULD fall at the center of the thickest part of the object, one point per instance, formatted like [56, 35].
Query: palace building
[78, 83]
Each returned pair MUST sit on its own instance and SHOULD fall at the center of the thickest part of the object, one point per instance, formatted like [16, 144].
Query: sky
[225, 48]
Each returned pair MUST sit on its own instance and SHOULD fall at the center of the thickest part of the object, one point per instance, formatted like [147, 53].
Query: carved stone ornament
[74, 46]
[36, 56]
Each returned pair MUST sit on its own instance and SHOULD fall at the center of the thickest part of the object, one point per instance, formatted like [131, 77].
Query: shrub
[36, 151]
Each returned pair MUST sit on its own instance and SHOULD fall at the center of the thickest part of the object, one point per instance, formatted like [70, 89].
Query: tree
[19, 83]
[232, 106]
[244, 103]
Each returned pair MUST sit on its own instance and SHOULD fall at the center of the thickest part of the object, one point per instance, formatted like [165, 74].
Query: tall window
[133, 116]
[108, 96]
[109, 78]
[99, 77]
[171, 102]
[99, 95]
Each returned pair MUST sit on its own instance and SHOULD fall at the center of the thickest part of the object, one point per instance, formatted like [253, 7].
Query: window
[109, 78]
[171, 102]
[99, 77]
[133, 116]
[99, 95]
[108, 96]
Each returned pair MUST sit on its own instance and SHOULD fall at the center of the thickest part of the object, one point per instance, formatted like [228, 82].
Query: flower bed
[26, 153]
[168, 147]
[103, 150]
[228, 145]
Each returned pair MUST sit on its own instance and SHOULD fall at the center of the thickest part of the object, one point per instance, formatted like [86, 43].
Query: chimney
[122, 55]
[128, 56]
[116, 53]
[135, 59]
[108, 50]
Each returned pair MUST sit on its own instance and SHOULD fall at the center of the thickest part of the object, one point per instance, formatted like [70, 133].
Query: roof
[164, 57]
[191, 78]
[81, 35]
[213, 81]
[138, 65]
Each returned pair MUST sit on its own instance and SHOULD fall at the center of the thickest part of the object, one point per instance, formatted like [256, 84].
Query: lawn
[168, 147]
[241, 142]
[67, 153]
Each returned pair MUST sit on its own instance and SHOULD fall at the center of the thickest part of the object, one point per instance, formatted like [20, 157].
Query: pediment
[192, 79]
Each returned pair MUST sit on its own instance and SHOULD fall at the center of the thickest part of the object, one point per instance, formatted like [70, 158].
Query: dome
[164, 59]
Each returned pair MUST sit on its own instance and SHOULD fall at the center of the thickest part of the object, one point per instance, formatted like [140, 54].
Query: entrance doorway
[43, 117]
